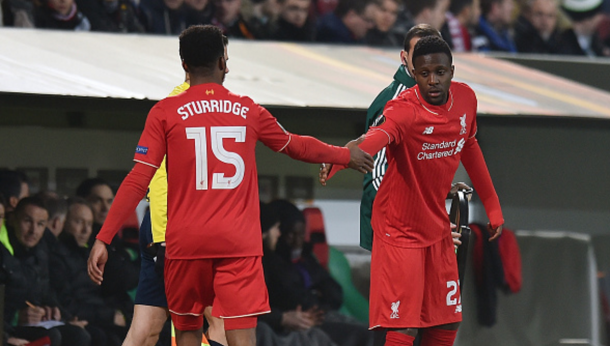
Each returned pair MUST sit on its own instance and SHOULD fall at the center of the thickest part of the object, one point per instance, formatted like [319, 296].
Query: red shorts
[234, 287]
[414, 287]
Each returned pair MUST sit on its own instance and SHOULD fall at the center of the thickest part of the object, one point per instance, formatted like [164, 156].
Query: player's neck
[196, 80]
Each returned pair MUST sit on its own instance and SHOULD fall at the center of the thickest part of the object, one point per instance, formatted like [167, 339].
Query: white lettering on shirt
[212, 106]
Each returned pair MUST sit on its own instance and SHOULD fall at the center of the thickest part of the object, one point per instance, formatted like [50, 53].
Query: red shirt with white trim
[425, 144]
[209, 136]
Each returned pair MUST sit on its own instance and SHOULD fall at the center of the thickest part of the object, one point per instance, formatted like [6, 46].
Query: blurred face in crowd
[505, 12]
[295, 238]
[227, 11]
[272, 235]
[474, 13]
[79, 223]
[386, 16]
[25, 188]
[30, 224]
[101, 198]
[198, 5]
[61, 6]
[295, 12]
[360, 23]
[543, 16]
[589, 25]
[436, 16]
[173, 4]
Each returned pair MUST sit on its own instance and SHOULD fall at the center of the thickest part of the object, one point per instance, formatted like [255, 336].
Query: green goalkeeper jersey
[372, 180]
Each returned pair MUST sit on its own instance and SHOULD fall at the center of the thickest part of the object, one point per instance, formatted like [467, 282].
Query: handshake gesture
[360, 160]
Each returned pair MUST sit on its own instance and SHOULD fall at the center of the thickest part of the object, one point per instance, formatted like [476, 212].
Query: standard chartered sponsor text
[432, 151]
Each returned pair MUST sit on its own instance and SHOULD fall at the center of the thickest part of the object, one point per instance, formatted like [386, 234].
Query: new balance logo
[395, 306]
[429, 130]
[208, 92]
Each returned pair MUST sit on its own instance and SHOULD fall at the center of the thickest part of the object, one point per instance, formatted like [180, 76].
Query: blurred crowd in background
[569, 27]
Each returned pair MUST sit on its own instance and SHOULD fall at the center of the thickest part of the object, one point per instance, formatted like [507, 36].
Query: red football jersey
[424, 148]
[210, 135]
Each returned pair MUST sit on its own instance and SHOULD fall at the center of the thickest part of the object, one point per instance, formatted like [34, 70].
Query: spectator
[494, 30]
[198, 12]
[122, 266]
[461, 19]
[111, 15]
[381, 34]
[349, 23]
[582, 38]
[261, 15]
[13, 188]
[536, 28]
[17, 13]
[283, 327]
[165, 17]
[228, 17]
[61, 14]
[430, 12]
[25, 272]
[80, 297]
[303, 287]
[57, 207]
[294, 22]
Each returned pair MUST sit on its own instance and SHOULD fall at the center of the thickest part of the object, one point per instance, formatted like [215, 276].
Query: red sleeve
[303, 148]
[474, 162]
[151, 146]
[132, 190]
[374, 140]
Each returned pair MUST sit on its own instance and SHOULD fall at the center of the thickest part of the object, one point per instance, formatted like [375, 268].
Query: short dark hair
[456, 6]
[77, 200]
[345, 6]
[53, 203]
[288, 214]
[10, 184]
[24, 202]
[421, 31]
[431, 45]
[415, 7]
[201, 46]
[486, 6]
[84, 189]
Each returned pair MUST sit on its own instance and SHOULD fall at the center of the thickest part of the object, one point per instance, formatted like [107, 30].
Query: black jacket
[77, 294]
[305, 283]
[26, 278]
[528, 40]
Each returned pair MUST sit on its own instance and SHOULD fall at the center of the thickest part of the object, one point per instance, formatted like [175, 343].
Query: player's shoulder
[243, 99]
[462, 89]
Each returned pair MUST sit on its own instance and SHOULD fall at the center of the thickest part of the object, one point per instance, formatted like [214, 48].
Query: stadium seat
[354, 303]
[315, 233]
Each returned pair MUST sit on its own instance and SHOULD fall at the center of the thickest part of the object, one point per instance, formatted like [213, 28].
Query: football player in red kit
[208, 136]
[427, 130]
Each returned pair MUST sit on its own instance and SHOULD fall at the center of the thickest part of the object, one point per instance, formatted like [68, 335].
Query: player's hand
[324, 170]
[359, 160]
[316, 315]
[494, 232]
[455, 235]
[97, 261]
[455, 187]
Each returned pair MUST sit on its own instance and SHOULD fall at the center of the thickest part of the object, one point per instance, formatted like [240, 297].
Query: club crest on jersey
[429, 130]
[141, 150]
[380, 120]
[463, 123]
[395, 306]
[208, 92]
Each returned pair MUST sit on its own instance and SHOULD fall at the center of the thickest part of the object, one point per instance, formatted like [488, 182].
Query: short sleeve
[270, 132]
[152, 144]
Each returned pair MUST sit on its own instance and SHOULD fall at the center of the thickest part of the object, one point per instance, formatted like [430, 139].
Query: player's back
[212, 197]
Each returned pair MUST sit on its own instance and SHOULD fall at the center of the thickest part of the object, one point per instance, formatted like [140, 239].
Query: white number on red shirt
[217, 135]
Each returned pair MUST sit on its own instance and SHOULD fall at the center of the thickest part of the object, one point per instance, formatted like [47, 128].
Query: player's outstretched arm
[130, 193]
[475, 165]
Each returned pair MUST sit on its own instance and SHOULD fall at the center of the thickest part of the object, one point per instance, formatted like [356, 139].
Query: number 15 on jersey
[217, 136]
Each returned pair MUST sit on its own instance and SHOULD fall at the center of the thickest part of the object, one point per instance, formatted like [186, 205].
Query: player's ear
[222, 64]
[185, 67]
[452, 70]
